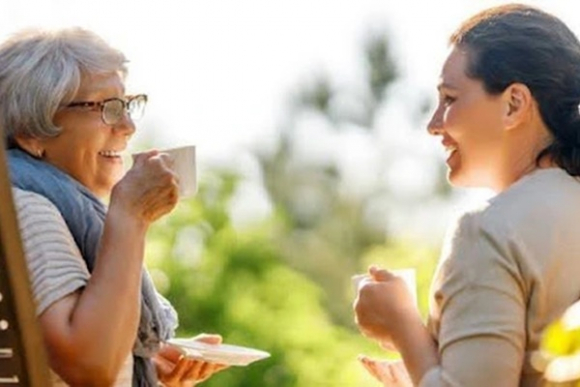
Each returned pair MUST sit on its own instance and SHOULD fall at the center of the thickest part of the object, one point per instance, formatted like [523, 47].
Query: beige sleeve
[479, 309]
[54, 262]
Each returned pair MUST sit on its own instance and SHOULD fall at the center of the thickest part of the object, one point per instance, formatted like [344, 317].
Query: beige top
[55, 264]
[507, 270]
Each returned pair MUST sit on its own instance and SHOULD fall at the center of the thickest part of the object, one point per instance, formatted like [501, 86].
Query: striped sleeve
[55, 264]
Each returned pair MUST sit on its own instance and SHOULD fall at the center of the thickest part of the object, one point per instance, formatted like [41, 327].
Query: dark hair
[521, 44]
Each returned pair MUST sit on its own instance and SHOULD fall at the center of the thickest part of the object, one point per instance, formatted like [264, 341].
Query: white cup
[407, 275]
[357, 281]
[184, 165]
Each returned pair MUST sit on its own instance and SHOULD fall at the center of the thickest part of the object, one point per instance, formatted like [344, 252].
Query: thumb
[140, 157]
[162, 365]
[380, 275]
[208, 338]
[172, 353]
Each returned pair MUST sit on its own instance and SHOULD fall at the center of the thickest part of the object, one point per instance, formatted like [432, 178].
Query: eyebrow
[100, 92]
[444, 85]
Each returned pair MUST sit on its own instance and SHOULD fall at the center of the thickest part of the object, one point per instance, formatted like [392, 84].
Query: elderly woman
[67, 120]
[508, 116]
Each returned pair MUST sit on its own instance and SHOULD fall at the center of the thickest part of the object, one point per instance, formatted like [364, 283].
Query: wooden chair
[22, 355]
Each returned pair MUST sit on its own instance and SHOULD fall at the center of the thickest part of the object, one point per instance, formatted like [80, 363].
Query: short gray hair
[40, 70]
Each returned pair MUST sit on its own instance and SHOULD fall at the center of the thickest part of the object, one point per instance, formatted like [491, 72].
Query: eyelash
[447, 100]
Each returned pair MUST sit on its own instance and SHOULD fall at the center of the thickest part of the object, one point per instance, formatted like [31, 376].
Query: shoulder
[38, 218]
[54, 261]
[37, 212]
[541, 199]
[525, 226]
[27, 201]
[21, 195]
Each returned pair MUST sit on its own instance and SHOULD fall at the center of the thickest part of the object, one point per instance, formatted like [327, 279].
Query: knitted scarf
[84, 215]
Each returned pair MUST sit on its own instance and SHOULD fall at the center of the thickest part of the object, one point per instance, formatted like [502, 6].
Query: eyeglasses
[113, 109]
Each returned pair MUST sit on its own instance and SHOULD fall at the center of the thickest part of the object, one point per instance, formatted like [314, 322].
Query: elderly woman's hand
[176, 370]
[149, 190]
[383, 305]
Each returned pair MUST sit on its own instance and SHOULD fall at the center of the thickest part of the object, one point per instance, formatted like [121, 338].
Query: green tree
[236, 283]
[283, 284]
[328, 229]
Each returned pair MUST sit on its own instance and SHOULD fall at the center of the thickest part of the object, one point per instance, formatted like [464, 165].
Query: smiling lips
[110, 153]
[450, 148]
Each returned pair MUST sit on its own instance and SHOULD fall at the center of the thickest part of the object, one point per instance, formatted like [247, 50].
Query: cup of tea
[184, 165]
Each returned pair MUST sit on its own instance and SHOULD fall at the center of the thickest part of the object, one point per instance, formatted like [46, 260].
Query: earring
[39, 153]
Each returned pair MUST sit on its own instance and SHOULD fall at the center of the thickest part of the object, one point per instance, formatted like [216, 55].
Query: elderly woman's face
[88, 149]
[469, 120]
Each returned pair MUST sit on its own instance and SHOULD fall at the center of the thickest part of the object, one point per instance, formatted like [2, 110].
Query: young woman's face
[87, 148]
[469, 120]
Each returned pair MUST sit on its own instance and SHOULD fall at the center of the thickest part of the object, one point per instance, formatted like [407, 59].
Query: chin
[104, 189]
[455, 179]
[479, 180]
[460, 179]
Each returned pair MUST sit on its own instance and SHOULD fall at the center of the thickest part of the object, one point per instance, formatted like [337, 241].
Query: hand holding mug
[149, 189]
[383, 305]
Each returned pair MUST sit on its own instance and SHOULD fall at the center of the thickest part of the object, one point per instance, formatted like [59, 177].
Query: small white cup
[357, 281]
[407, 275]
[184, 165]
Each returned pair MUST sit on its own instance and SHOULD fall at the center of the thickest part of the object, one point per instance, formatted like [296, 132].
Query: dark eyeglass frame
[128, 103]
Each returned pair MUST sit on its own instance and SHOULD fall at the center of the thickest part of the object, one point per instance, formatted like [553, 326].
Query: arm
[89, 333]
[480, 309]
[385, 311]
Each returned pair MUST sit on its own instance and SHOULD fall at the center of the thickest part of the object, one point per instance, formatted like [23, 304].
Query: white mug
[184, 165]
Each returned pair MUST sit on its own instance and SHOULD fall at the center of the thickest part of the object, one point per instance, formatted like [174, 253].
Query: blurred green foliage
[283, 284]
[236, 283]
[329, 229]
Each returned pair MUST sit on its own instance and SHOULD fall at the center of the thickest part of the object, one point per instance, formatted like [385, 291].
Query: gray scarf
[84, 215]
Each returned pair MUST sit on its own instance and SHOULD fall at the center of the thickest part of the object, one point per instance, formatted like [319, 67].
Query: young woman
[508, 117]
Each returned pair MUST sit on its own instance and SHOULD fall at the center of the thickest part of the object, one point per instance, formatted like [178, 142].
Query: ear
[519, 102]
[31, 145]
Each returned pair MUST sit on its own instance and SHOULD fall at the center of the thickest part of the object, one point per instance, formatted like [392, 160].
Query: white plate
[222, 353]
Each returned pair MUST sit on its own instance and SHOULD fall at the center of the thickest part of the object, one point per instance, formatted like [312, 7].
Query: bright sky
[219, 72]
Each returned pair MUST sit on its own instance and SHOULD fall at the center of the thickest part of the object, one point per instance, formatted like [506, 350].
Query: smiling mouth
[110, 153]
[450, 149]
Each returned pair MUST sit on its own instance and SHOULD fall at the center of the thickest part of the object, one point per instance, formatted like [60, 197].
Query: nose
[435, 125]
[125, 126]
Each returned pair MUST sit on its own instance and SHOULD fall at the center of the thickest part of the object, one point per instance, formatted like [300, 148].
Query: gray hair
[41, 70]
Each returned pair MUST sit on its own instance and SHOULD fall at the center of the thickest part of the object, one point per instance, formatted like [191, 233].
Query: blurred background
[313, 160]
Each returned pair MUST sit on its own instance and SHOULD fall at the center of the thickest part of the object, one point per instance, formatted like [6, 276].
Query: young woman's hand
[176, 370]
[383, 306]
[390, 373]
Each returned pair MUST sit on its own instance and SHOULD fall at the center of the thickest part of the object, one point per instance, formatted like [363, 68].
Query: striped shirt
[54, 261]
